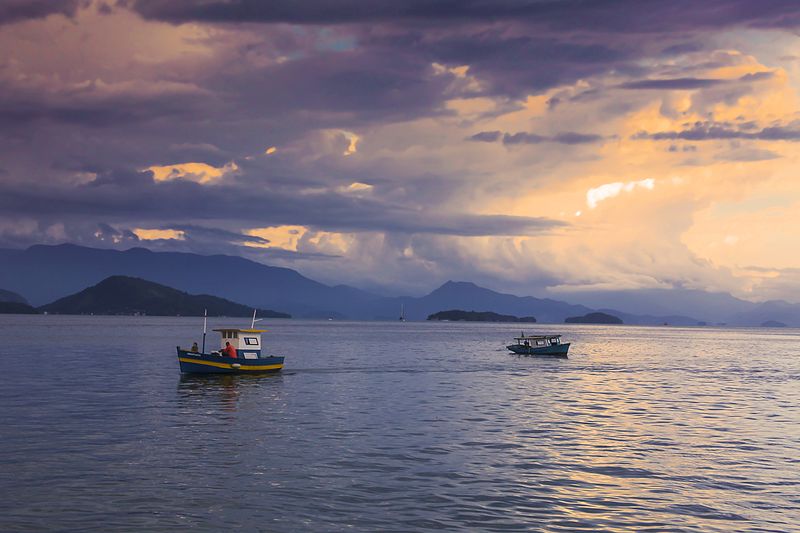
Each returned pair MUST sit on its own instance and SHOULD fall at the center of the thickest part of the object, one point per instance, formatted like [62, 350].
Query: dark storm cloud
[486, 136]
[597, 15]
[378, 85]
[705, 131]
[569, 137]
[512, 63]
[672, 84]
[692, 83]
[17, 10]
[682, 48]
[133, 196]
[514, 47]
[95, 108]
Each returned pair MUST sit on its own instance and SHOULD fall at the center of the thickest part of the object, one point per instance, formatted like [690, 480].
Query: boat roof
[536, 337]
[240, 330]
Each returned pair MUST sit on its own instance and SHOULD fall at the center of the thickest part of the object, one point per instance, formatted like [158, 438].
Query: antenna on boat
[205, 321]
[253, 323]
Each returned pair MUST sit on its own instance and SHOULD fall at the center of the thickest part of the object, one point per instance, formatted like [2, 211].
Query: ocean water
[398, 427]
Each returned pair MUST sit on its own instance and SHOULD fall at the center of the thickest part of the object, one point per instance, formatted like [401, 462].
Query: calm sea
[399, 427]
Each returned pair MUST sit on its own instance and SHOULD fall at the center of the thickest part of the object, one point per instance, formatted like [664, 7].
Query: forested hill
[122, 295]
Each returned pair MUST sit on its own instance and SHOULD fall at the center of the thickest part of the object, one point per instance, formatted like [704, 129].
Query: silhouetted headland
[122, 295]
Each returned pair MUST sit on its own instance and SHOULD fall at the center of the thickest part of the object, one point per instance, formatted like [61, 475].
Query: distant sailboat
[402, 313]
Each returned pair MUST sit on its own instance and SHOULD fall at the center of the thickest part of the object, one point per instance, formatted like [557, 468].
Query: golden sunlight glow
[609, 190]
[353, 138]
[158, 234]
[746, 235]
[356, 188]
[271, 150]
[283, 237]
[197, 172]
[301, 239]
[458, 72]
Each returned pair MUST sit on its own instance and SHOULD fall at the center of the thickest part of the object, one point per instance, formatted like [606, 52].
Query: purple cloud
[600, 15]
[569, 137]
[672, 84]
[705, 131]
[18, 10]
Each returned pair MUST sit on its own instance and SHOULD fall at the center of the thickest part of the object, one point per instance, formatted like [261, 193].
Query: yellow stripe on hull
[229, 365]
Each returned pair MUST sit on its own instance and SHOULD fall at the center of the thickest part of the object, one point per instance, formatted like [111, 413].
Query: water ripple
[642, 429]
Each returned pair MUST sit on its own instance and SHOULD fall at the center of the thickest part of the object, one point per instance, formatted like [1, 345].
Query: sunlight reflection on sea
[398, 427]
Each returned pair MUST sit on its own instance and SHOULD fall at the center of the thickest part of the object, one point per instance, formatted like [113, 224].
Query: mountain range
[42, 274]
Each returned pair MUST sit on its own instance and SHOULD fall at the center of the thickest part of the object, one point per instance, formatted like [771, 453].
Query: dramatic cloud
[519, 144]
[609, 190]
[17, 10]
[599, 16]
[704, 131]
[675, 83]
[128, 196]
[533, 138]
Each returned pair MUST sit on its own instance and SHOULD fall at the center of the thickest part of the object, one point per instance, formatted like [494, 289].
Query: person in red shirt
[229, 350]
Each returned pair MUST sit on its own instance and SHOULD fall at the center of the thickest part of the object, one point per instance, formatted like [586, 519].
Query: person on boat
[194, 347]
[229, 350]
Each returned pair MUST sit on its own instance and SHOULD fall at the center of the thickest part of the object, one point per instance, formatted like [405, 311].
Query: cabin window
[235, 334]
[251, 341]
[539, 343]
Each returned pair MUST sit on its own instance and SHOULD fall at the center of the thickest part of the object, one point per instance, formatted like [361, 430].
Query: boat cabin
[247, 342]
[538, 341]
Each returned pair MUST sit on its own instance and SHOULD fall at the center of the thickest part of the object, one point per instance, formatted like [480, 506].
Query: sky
[541, 147]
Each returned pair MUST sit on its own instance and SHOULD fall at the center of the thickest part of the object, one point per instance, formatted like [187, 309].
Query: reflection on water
[400, 427]
[222, 390]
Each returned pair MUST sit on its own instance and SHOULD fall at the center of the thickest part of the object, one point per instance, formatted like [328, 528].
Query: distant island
[123, 295]
[457, 315]
[773, 324]
[594, 318]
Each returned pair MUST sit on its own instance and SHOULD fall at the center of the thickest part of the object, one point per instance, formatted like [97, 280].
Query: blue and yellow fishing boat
[547, 345]
[240, 353]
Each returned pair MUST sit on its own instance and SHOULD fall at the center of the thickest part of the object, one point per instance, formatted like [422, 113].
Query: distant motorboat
[547, 345]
